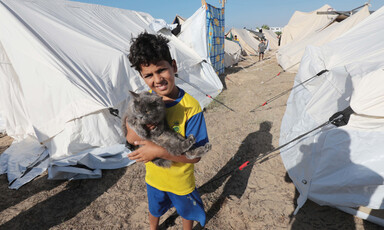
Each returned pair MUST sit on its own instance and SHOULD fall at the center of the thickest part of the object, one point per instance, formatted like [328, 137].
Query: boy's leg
[187, 224]
[153, 222]
[190, 207]
[158, 204]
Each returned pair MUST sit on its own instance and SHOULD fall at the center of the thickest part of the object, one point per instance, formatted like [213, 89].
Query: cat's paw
[207, 147]
[191, 139]
[188, 143]
[198, 152]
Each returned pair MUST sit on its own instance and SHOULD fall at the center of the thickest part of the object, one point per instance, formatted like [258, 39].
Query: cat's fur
[147, 108]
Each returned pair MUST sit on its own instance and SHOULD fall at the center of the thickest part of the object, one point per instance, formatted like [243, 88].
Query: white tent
[63, 65]
[248, 42]
[194, 34]
[340, 166]
[290, 55]
[302, 23]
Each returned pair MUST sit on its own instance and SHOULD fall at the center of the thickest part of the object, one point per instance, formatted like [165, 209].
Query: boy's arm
[131, 135]
[149, 151]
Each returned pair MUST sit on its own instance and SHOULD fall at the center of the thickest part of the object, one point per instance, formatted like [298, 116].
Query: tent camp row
[248, 43]
[195, 32]
[249, 40]
[63, 68]
[340, 166]
[315, 29]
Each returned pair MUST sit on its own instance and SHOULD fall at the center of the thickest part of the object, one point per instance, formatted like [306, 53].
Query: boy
[174, 186]
[262, 47]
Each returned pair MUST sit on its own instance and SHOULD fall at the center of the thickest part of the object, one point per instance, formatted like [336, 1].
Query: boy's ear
[174, 65]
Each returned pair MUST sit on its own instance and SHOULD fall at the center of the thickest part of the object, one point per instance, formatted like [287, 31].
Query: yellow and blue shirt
[184, 115]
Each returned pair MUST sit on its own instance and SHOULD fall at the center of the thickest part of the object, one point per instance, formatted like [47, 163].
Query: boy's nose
[158, 78]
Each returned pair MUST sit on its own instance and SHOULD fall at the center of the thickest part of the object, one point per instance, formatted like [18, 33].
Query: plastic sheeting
[63, 64]
[339, 166]
[88, 164]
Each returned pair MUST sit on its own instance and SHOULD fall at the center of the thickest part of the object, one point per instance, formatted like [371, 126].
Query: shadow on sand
[253, 145]
[75, 197]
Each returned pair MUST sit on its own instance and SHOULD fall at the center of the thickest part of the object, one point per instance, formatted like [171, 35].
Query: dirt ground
[259, 197]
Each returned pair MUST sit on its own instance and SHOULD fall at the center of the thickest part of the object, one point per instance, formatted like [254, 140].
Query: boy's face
[160, 77]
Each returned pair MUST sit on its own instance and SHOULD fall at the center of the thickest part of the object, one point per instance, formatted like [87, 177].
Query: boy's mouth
[162, 86]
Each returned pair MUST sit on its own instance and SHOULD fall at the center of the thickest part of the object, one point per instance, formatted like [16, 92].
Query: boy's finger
[133, 154]
[138, 143]
[137, 158]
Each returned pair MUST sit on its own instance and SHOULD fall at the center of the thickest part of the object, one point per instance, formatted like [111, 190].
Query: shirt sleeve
[196, 126]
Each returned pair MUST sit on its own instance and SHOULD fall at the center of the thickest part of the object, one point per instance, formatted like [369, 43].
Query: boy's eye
[148, 76]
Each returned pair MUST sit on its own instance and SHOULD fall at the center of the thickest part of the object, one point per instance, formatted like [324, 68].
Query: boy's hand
[148, 151]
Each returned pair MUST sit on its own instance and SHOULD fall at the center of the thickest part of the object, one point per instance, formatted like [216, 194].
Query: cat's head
[148, 107]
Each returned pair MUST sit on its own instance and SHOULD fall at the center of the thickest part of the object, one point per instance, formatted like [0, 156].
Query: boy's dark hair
[149, 49]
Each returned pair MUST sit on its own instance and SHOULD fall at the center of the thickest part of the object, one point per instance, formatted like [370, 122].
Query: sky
[238, 13]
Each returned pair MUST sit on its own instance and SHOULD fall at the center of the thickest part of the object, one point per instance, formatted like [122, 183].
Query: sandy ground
[259, 197]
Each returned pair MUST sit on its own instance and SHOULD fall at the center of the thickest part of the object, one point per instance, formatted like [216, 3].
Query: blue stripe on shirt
[196, 126]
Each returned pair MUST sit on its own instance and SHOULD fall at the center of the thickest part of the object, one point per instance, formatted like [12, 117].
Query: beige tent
[289, 56]
[302, 23]
[249, 44]
[272, 39]
[232, 53]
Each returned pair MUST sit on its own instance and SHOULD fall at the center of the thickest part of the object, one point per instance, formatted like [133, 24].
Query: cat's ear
[133, 94]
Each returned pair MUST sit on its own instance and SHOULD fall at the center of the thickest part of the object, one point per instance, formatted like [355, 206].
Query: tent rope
[334, 120]
[288, 90]
[207, 95]
[278, 74]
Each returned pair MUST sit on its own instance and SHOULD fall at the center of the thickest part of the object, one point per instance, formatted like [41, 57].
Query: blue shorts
[189, 206]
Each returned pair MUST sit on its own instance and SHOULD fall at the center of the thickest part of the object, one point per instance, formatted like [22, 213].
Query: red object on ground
[264, 103]
[244, 165]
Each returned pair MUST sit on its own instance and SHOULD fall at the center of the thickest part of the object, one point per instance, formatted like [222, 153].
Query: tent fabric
[64, 64]
[111, 157]
[215, 37]
[194, 33]
[302, 24]
[248, 42]
[232, 53]
[271, 38]
[290, 55]
[2, 124]
[339, 166]
[178, 20]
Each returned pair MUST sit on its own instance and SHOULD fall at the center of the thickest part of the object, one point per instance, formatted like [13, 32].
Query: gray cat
[147, 108]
